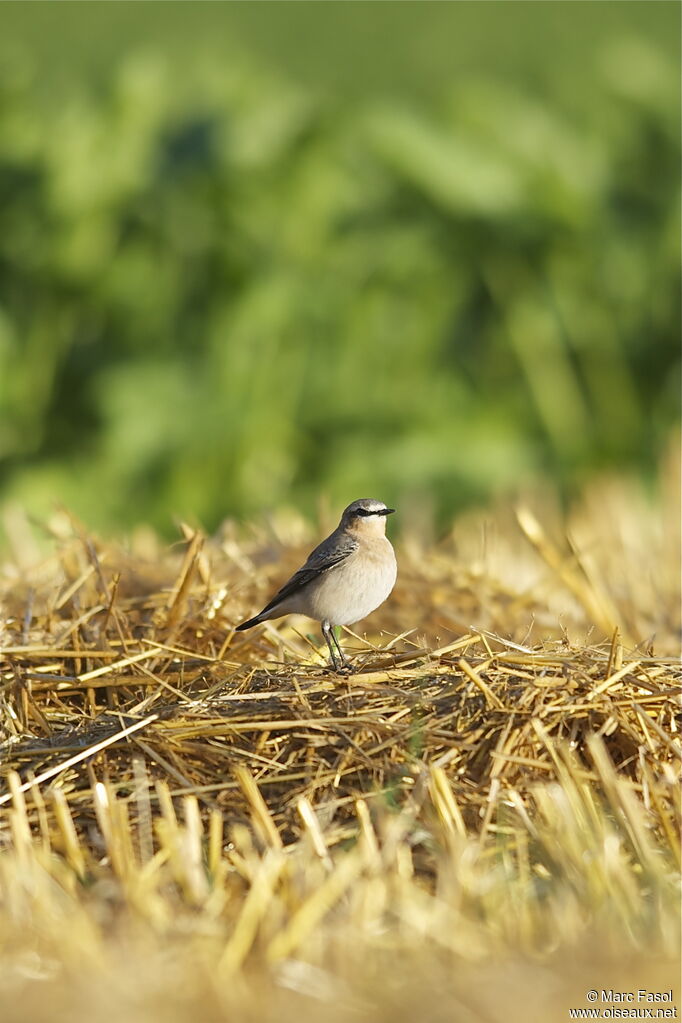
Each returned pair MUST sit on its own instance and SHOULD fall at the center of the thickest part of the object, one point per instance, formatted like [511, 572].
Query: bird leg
[338, 658]
[345, 663]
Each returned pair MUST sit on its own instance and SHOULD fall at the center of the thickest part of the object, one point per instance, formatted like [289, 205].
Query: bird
[345, 578]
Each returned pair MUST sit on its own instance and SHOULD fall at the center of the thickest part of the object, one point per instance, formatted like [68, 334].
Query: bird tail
[249, 625]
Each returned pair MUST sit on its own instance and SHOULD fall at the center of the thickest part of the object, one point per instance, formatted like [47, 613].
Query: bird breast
[352, 590]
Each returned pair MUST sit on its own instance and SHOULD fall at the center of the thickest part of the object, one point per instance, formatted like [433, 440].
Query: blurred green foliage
[221, 289]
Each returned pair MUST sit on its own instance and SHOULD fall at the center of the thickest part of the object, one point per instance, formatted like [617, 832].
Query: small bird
[345, 578]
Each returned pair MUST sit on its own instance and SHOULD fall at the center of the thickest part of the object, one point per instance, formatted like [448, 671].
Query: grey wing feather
[331, 552]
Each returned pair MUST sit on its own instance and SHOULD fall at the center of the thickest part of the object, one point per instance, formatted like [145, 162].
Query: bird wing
[331, 552]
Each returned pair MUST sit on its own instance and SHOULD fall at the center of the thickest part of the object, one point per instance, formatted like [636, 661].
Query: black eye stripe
[366, 511]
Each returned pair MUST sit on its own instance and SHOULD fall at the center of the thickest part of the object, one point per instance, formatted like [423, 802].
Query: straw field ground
[481, 823]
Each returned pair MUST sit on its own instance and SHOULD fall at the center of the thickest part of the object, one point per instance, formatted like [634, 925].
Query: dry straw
[203, 811]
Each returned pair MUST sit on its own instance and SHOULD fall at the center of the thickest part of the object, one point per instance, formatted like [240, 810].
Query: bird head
[366, 516]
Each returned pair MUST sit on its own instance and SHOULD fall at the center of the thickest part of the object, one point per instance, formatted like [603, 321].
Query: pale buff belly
[353, 590]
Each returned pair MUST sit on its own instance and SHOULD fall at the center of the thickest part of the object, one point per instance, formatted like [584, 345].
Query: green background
[254, 253]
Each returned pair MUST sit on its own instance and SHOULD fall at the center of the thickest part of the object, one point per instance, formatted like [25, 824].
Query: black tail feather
[248, 625]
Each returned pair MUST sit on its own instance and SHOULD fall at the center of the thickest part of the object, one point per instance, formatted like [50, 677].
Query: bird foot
[341, 669]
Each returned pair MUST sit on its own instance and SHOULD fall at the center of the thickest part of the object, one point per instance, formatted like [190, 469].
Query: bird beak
[389, 511]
